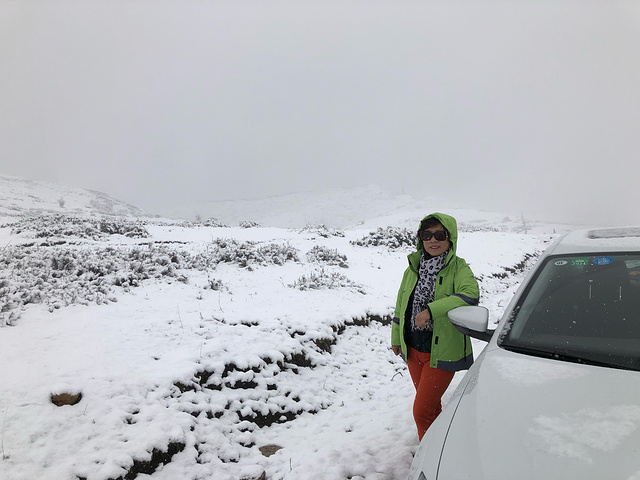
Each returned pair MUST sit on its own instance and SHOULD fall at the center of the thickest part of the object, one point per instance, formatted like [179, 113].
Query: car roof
[621, 239]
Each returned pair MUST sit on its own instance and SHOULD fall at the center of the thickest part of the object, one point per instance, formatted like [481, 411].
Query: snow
[576, 435]
[529, 373]
[194, 380]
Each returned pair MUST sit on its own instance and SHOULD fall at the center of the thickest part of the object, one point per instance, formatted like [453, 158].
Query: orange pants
[430, 383]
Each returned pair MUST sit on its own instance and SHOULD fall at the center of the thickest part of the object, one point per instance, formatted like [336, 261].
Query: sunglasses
[440, 235]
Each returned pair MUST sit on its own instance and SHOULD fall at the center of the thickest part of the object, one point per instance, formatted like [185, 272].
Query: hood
[529, 418]
[447, 222]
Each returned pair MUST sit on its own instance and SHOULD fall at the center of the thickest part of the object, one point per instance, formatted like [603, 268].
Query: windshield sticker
[602, 260]
[560, 263]
[582, 261]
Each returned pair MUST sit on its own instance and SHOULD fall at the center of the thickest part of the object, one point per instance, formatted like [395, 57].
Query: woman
[435, 282]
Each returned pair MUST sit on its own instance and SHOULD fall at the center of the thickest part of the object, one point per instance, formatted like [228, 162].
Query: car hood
[530, 418]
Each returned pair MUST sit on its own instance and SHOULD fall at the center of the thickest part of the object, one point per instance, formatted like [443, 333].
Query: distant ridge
[19, 196]
[336, 208]
[366, 207]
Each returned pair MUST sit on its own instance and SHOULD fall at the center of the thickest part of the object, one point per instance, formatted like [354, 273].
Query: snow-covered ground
[196, 346]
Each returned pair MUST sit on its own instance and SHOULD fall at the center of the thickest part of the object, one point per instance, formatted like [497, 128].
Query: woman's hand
[422, 319]
[396, 349]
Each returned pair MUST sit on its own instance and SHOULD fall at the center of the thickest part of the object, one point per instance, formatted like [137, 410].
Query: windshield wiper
[566, 357]
[529, 351]
[591, 361]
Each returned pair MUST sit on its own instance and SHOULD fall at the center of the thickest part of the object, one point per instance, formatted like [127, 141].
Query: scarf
[426, 286]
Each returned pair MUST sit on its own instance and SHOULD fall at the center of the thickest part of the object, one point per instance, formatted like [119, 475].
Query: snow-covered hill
[365, 206]
[358, 207]
[19, 196]
[199, 347]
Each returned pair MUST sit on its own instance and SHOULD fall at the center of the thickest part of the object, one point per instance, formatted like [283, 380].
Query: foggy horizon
[527, 106]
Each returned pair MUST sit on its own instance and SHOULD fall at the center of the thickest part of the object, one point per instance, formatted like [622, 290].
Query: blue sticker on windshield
[602, 260]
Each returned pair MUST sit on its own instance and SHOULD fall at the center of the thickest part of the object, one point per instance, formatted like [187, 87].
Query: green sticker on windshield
[580, 261]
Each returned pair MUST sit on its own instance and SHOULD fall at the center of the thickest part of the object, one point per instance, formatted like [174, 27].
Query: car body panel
[530, 418]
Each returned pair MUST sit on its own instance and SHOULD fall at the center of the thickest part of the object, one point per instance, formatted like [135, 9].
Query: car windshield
[582, 309]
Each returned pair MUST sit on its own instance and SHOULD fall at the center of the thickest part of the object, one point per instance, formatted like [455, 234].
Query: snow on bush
[198, 222]
[249, 254]
[324, 279]
[61, 276]
[471, 228]
[322, 231]
[327, 256]
[214, 222]
[249, 224]
[393, 238]
[215, 284]
[48, 226]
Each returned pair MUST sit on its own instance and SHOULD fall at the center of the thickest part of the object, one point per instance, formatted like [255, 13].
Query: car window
[582, 308]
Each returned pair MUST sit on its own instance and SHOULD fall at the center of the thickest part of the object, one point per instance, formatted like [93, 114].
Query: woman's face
[433, 246]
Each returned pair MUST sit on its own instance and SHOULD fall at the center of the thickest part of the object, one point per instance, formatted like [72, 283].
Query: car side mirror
[472, 321]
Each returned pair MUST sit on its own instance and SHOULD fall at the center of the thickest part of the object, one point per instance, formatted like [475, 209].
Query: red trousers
[430, 383]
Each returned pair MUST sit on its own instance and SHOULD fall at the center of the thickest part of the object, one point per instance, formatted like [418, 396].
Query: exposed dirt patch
[269, 450]
[61, 399]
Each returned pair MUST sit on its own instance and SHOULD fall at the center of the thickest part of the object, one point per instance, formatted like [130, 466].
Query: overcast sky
[513, 104]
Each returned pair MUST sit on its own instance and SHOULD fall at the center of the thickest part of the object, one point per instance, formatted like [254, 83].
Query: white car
[555, 394]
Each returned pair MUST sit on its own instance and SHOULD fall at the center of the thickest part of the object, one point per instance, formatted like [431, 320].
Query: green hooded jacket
[455, 287]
